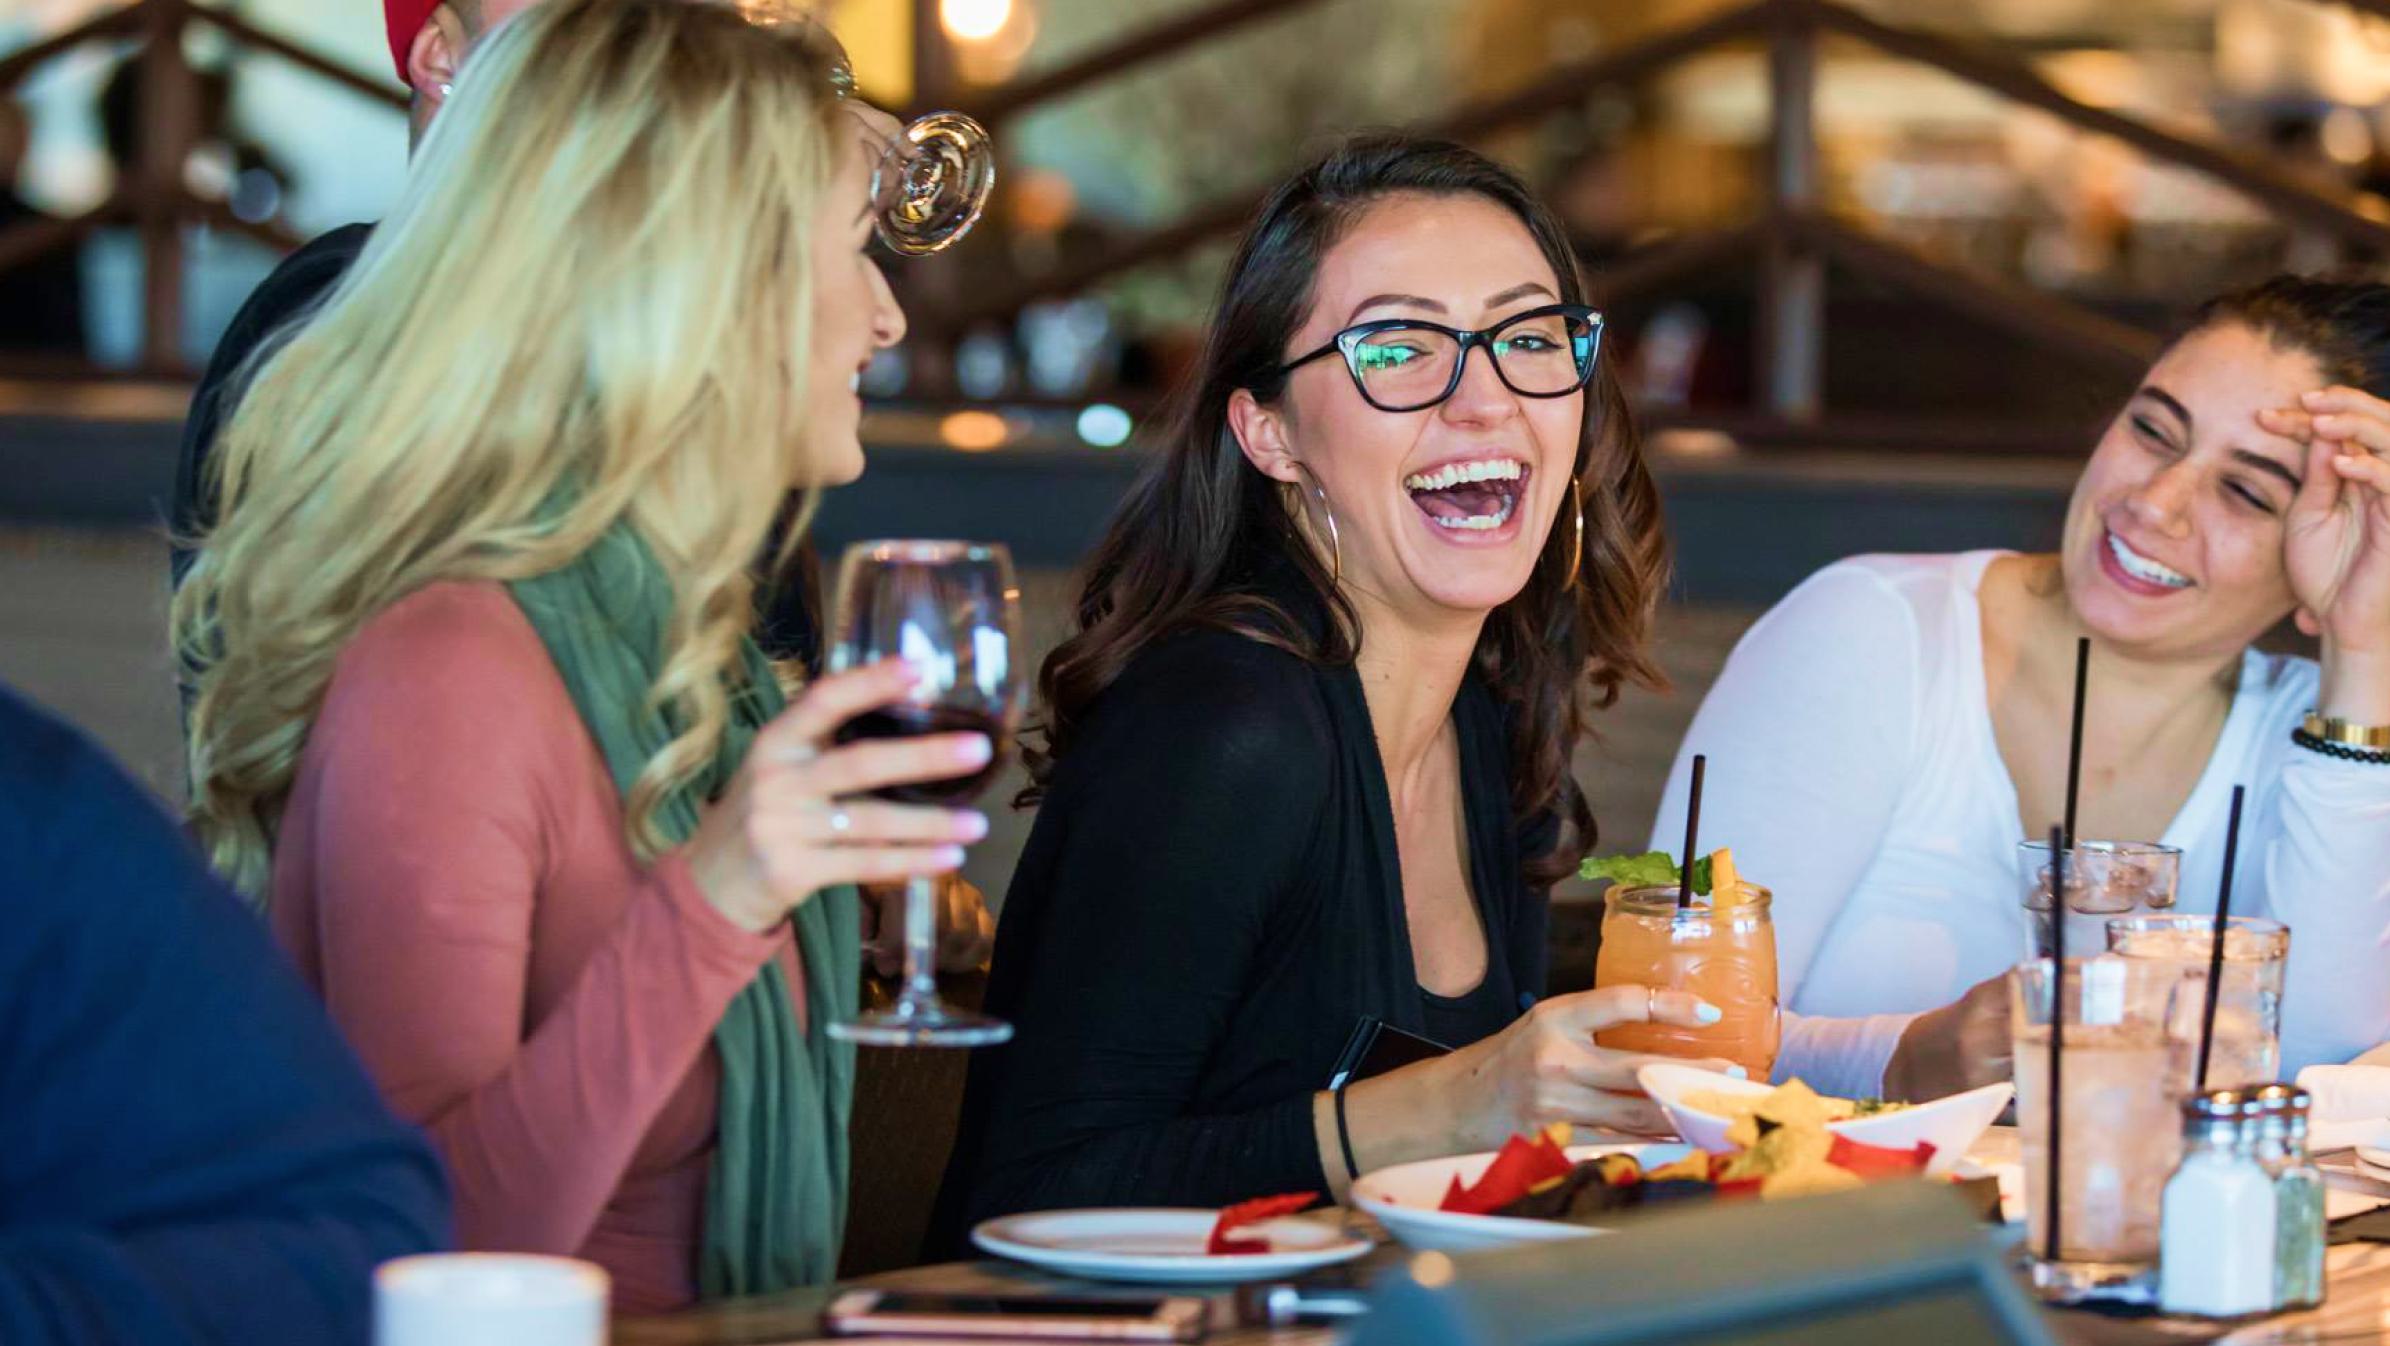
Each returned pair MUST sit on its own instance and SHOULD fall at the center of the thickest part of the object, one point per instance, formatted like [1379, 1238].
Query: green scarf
[776, 1198]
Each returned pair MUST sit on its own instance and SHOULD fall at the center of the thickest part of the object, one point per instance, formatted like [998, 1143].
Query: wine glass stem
[921, 942]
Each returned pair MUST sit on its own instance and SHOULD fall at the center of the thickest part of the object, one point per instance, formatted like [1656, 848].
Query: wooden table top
[2358, 1308]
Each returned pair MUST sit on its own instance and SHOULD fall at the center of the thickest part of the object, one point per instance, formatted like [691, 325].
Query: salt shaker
[2216, 1252]
[2298, 1195]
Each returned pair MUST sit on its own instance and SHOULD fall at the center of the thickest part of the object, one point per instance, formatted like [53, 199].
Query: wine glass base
[923, 1026]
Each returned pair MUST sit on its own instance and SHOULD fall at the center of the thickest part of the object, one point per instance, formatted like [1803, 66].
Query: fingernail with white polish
[1708, 1013]
[1738, 1072]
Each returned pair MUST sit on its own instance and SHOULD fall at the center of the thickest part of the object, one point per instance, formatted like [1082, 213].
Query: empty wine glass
[952, 611]
[932, 183]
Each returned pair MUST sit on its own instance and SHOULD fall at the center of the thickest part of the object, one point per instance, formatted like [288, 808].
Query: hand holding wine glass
[783, 830]
[951, 611]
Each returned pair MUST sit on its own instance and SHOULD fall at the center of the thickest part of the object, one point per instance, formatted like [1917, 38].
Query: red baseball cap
[407, 18]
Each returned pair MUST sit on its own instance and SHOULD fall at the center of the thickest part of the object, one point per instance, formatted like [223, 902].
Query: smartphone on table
[896, 1313]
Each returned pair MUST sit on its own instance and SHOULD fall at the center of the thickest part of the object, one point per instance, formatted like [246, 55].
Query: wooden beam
[1159, 41]
[248, 34]
[1655, 266]
[1099, 265]
[2028, 313]
[1792, 292]
[113, 24]
[1571, 85]
[2333, 212]
[34, 239]
[168, 115]
[1564, 87]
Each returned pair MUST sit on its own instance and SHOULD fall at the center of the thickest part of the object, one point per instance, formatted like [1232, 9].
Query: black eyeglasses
[1404, 364]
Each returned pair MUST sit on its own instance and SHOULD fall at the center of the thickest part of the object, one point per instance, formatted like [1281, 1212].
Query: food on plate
[1792, 1099]
[1225, 1241]
[1787, 1152]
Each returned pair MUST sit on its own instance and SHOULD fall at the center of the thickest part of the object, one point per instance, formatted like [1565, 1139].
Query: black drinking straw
[2058, 858]
[2215, 953]
[2074, 755]
[1684, 882]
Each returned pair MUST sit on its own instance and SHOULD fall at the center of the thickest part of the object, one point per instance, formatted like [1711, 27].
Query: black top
[784, 611]
[288, 295]
[1209, 902]
[188, 1152]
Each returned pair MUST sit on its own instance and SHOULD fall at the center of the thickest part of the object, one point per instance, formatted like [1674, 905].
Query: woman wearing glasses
[477, 712]
[1305, 761]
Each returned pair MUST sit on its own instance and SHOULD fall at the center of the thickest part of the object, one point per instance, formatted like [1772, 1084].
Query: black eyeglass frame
[1348, 343]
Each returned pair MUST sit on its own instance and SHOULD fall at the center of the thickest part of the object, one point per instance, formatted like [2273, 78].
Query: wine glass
[932, 182]
[952, 610]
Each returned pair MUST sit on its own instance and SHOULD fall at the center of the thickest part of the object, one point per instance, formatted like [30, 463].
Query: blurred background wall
[1876, 269]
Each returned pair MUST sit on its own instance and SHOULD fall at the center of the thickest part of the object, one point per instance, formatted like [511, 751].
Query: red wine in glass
[909, 720]
[952, 610]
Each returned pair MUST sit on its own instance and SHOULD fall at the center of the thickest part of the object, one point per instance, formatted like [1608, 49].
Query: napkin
[2352, 1102]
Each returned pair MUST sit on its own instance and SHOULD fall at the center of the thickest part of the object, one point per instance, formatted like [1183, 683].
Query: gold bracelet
[2331, 729]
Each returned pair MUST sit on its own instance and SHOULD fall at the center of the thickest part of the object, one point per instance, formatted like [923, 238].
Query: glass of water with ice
[2248, 1044]
[2104, 880]
[2122, 1076]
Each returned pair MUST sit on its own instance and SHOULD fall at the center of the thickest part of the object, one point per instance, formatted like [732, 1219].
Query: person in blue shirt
[188, 1153]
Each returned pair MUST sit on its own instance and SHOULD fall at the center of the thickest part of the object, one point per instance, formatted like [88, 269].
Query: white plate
[1162, 1246]
[1404, 1199]
[1951, 1125]
[2375, 1161]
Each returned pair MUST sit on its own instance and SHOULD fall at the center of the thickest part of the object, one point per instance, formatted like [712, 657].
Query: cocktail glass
[1721, 950]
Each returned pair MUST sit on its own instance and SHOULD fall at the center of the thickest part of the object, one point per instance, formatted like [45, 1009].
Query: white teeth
[1453, 474]
[854, 383]
[1477, 523]
[2142, 568]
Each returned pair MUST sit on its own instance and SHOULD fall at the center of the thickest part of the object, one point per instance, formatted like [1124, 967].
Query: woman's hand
[966, 930]
[1961, 1046]
[793, 820]
[2336, 544]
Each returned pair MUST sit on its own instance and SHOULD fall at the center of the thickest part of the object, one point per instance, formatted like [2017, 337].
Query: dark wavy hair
[2342, 321]
[1186, 545]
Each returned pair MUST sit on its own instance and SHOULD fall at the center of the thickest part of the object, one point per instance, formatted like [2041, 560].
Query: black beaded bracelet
[2340, 750]
[1344, 1139]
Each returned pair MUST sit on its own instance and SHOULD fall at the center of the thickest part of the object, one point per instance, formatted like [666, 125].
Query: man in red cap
[428, 40]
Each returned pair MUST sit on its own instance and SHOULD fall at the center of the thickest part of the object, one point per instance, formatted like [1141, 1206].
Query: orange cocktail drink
[1721, 948]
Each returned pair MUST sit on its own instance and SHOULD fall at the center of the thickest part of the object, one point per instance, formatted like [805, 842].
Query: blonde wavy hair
[593, 292]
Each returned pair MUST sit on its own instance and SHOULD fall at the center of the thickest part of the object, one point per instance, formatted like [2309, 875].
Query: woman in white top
[1881, 741]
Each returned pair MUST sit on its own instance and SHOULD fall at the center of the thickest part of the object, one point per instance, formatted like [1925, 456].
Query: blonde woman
[471, 653]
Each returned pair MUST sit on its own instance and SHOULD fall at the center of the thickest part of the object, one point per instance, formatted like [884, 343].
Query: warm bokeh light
[974, 20]
[974, 431]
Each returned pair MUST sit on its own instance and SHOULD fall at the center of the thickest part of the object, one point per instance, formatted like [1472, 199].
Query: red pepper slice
[1877, 1161]
[1256, 1211]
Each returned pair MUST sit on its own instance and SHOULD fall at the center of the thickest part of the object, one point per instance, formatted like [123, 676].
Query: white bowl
[1951, 1125]
[1404, 1199]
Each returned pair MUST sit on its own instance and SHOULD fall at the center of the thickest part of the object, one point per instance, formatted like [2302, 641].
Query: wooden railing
[1793, 240]
[151, 195]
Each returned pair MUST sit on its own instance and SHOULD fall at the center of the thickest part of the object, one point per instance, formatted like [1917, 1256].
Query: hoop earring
[1335, 537]
[1576, 551]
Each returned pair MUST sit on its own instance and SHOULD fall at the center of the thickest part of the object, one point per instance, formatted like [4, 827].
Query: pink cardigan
[453, 877]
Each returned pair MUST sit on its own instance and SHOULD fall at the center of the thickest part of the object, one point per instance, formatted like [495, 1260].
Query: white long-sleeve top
[1853, 769]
